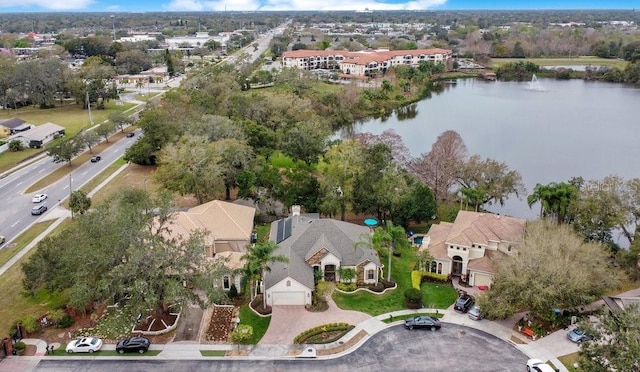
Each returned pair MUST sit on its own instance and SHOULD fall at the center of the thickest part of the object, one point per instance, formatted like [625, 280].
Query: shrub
[413, 295]
[20, 346]
[65, 322]
[321, 329]
[433, 277]
[416, 279]
[30, 323]
[233, 292]
[346, 287]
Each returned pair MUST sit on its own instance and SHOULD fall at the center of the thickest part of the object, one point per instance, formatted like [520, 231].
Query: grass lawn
[213, 353]
[259, 324]
[71, 116]
[568, 360]
[21, 241]
[393, 300]
[61, 352]
[89, 186]
[582, 60]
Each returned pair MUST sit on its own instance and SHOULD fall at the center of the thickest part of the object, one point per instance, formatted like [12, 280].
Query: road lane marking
[85, 172]
[16, 223]
[40, 171]
[65, 187]
[19, 183]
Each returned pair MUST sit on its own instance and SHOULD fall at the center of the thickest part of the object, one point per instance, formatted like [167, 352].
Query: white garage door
[288, 298]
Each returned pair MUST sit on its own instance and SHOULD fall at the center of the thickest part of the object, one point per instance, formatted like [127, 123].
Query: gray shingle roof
[310, 235]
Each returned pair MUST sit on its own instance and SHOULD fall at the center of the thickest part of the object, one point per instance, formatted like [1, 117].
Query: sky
[7, 6]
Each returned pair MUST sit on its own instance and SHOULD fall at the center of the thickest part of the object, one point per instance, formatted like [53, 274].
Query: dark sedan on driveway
[133, 345]
[422, 321]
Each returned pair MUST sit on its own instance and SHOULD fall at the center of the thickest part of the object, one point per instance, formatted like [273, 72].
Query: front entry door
[330, 273]
[456, 268]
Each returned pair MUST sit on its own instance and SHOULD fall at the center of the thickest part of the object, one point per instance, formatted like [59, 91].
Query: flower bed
[221, 324]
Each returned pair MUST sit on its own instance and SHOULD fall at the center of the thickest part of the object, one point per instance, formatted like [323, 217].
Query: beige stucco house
[228, 229]
[468, 247]
[316, 244]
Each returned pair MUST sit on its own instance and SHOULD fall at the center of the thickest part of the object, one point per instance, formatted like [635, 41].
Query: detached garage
[288, 292]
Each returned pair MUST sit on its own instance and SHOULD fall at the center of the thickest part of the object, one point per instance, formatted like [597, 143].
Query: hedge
[319, 329]
[416, 279]
[417, 276]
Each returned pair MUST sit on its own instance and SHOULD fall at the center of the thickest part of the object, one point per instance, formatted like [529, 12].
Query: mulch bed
[157, 323]
[257, 303]
[221, 324]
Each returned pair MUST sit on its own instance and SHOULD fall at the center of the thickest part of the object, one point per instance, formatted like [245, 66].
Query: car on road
[536, 365]
[422, 321]
[475, 313]
[38, 210]
[95, 159]
[133, 345]
[577, 335]
[37, 198]
[130, 134]
[464, 303]
[1, 239]
[84, 345]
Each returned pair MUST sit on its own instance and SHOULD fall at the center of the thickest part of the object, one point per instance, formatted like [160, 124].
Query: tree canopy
[555, 268]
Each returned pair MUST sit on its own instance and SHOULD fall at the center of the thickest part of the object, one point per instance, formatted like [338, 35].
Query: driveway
[289, 321]
[189, 325]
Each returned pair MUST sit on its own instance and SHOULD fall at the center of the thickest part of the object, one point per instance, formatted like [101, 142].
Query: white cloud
[243, 5]
[47, 4]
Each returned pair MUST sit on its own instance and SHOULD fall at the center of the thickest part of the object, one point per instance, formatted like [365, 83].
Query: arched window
[288, 283]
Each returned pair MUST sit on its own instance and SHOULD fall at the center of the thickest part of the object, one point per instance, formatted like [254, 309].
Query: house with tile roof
[228, 228]
[469, 247]
[314, 244]
[362, 63]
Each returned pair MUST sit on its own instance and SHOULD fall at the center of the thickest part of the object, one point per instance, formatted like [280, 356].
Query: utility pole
[113, 24]
[70, 191]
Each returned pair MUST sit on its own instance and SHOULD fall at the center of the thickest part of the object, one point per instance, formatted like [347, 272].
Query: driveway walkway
[289, 321]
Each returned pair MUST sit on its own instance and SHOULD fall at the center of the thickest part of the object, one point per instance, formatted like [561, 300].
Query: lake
[549, 131]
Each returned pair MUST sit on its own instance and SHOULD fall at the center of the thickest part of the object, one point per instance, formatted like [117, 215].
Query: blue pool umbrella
[371, 222]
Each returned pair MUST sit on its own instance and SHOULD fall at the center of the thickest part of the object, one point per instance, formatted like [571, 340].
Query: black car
[464, 303]
[132, 345]
[95, 159]
[130, 134]
[38, 210]
[422, 321]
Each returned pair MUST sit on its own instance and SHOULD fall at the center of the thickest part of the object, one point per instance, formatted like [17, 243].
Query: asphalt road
[15, 214]
[453, 348]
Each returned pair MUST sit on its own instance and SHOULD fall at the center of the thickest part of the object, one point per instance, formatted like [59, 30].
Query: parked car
[475, 313]
[38, 210]
[536, 365]
[577, 335]
[133, 344]
[84, 345]
[130, 134]
[464, 303]
[422, 321]
[95, 159]
[37, 198]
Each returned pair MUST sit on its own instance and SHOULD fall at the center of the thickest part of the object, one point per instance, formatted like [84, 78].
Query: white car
[37, 198]
[536, 365]
[84, 345]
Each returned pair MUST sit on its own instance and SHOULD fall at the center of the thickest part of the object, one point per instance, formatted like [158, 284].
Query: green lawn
[213, 353]
[259, 324]
[439, 296]
[582, 60]
[568, 360]
[71, 116]
[13, 303]
[21, 241]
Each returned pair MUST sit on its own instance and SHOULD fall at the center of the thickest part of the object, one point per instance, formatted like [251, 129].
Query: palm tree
[389, 237]
[258, 258]
[554, 198]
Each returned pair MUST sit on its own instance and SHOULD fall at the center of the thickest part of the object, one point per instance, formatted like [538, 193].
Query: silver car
[475, 313]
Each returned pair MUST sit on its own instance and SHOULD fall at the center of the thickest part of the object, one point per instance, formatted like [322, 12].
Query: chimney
[295, 210]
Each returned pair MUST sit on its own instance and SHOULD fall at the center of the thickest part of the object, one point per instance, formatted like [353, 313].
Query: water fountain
[534, 84]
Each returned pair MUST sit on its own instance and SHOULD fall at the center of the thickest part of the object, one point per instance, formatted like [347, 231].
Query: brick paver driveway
[289, 321]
